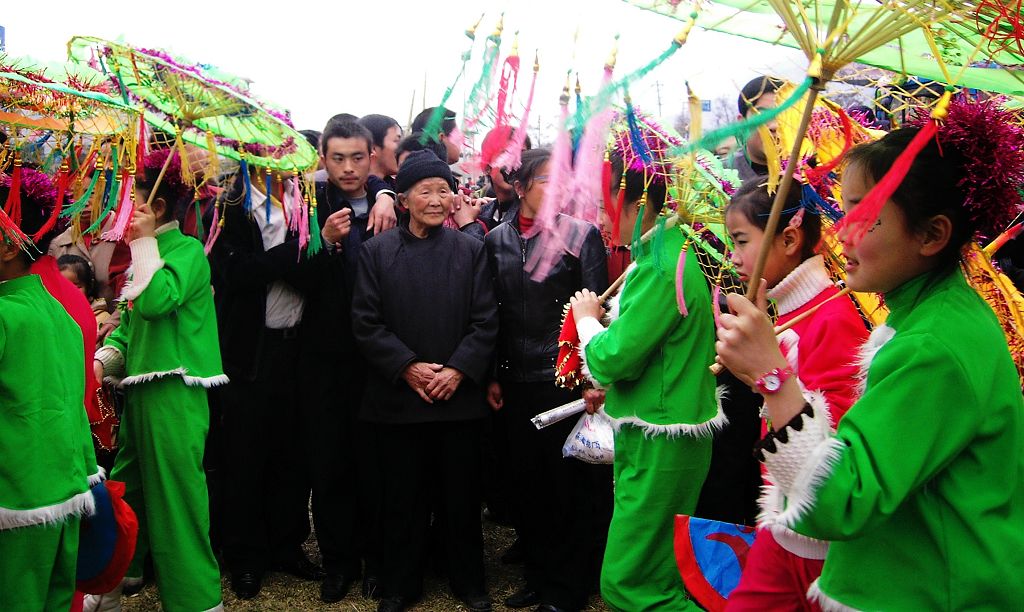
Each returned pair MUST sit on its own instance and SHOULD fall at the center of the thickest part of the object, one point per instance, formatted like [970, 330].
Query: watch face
[772, 382]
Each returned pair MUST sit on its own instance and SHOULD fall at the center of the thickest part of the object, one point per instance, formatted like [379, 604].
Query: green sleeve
[167, 291]
[647, 316]
[918, 413]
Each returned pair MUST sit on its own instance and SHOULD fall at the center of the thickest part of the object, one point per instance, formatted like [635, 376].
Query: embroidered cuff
[786, 449]
[587, 328]
[145, 262]
[112, 360]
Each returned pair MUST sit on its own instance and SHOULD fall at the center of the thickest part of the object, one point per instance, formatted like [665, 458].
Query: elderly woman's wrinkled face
[429, 201]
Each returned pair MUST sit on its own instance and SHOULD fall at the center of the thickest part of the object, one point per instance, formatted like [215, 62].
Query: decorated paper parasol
[181, 98]
[994, 26]
[63, 122]
[190, 102]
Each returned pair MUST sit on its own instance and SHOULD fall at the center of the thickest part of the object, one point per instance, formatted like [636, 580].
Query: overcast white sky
[370, 56]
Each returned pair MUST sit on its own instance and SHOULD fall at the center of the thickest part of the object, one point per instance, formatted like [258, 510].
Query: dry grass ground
[282, 592]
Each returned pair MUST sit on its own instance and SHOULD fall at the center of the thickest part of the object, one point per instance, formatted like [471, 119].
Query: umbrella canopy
[205, 110]
[957, 31]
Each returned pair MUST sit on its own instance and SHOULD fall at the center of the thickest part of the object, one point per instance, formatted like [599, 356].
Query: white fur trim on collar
[801, 285]
[587, 328]
[878, 338]
[82, 504]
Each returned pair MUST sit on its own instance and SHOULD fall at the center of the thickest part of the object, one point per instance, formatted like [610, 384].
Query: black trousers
[266, 497]
[733, 484]
[425, 465]
[330, 400]
[563, 506]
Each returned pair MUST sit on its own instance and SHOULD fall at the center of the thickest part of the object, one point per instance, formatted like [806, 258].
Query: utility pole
[657, 88]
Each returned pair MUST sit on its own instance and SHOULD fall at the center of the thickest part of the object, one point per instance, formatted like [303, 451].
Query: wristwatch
[771, 381]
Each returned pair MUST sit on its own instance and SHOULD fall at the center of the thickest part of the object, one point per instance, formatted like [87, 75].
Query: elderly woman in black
[562, 506]
[424, 316]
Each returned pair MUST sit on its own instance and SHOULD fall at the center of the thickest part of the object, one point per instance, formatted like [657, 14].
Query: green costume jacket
[48, 460]
[921, 488]
[654, 361]
[170, 326]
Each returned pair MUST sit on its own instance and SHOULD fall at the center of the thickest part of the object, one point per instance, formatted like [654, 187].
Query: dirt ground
[283, 592]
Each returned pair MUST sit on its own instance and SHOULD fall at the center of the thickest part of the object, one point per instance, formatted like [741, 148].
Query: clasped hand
[432, 381]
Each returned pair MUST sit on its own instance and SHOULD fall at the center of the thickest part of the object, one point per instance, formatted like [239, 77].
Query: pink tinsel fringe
[214, 229]
[680, 271]
[512, 157]
[552, 238]
[586, 196]
[124, 213]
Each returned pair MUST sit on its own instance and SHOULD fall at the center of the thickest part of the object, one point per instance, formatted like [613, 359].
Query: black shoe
[523, 598]
[477, 603]
[301, 567]
[246, 585]
[334, 587]
[549, 608]
[515, 554]
[371, 587]
[393, 604]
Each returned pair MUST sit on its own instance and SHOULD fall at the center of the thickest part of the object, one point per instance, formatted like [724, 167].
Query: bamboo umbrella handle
[780, 200]
[716, 368]
[610, 291]
[160, 177]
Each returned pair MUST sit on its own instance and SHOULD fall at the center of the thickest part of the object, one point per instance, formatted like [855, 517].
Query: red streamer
[858, 221]
[1001, 23]
[63, 177]
[13, 205]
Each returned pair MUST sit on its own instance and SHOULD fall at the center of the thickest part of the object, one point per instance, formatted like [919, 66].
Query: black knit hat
[421, 165]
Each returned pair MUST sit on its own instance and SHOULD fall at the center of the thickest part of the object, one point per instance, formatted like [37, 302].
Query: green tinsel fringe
[433, 126]
[115, 190]
[635, 243]
[657, 241]
[315, 244]
[199, 221]
[79, 205]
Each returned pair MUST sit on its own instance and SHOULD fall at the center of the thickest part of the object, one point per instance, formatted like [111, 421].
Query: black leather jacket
[529, 312]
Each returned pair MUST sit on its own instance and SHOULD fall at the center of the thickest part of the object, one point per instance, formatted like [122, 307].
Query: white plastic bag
[592, 440]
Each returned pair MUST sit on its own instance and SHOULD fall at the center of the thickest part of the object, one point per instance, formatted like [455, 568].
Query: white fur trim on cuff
[98, 477]
[112, 360]
[826, 603]
[82, 504]
[145, 263]
[772, 503]
[587, 328]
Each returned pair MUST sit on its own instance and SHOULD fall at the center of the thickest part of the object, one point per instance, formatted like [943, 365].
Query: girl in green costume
[921, 487]
[48, 461]
[652, 362]
[167, 347]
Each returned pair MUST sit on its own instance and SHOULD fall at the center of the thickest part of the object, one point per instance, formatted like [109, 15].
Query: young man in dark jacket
[255, 267]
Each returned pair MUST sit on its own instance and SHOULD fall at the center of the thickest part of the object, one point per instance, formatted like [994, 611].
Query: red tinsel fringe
[13, 205]
[63, 177]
